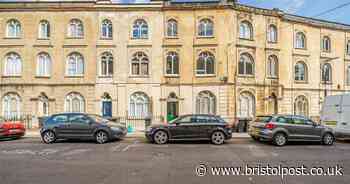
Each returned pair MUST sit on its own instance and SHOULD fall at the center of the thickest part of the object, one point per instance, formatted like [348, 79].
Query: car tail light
[270, 126]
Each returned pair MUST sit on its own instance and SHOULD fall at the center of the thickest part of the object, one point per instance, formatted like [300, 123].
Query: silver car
[280, 129]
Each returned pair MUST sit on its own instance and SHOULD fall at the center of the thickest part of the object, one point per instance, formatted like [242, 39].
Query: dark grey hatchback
[283, 128]
[80, 126]
[191, 127]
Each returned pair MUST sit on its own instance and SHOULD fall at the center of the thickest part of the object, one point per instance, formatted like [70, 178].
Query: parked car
[11, 129]
[191, 127]
[283, 128]
[335, 113]
[81, 126]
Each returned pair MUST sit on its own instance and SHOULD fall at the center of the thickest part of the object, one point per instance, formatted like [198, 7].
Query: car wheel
[101, 137]
[328, 139]
[160, 137]
[218, 138]
[49, 137]
[280, 139]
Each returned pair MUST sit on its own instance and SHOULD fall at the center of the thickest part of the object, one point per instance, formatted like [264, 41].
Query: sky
[308, 8]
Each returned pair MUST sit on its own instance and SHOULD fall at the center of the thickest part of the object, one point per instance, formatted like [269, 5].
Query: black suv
[191, 127]
[283, 128]
[80, 126]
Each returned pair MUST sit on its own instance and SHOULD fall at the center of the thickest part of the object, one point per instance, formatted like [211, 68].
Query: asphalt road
[28, 161]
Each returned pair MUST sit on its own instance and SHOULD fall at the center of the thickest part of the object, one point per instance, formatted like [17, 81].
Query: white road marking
[19, 152]
[76, 151]
[130, 145]
[256, 151]
[115, 148]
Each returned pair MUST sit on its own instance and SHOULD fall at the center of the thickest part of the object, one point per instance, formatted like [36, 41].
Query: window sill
[132, 38]
[205, 37]
[171, 75]
[106, 38]
[139, 76]
[74, 76]
[172, 37]
[11, 76]
[246, 76]
[304, 49]
[105, 76]
[43, 76]
[205, 75]
[246, 39]
[75, 38]
[43, 39]
[300, 82]
[326, 51]
[12, 38]
[272, 42]
[272, 77]
[326, 83]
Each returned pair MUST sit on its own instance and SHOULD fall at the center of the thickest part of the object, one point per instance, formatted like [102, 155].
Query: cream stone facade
[236, 43]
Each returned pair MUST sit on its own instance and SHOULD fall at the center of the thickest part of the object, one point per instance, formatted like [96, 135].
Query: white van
[336, 114]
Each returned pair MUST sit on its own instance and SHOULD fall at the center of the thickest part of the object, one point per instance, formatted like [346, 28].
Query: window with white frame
[272, 66]
[11, 106]
[272, 34]
[326, 72]
[106, 68]
[139, 105]
[13, 29]
[140, 29]
[106, 29]
[246, 105]
[172, 63]
[326, 44]
[74, 102]
[300, 40]
[43, 64]
[206, 27]
[44, 29]
[206, 103]
[172, 28]
[75, 64]
[246, 64]
[139, 64]
[301, 106]
[245, 30]
[206, 63]
[75, 29]
[300, 72]
[12, 65]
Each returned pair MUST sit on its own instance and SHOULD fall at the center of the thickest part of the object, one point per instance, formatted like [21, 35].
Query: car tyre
[49, 137]
[160, 137]
[218, 138]
[328, 139]
[280, 139]
[101, 137]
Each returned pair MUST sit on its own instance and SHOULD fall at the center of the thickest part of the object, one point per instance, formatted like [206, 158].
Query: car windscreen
[263, 119]
[98, 119]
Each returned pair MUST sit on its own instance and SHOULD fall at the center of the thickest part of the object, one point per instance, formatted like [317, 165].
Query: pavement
[135, 161]
[34, 133]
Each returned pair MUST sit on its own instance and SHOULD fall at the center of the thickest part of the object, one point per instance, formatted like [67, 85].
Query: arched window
[326, 44]
[326, 72]
[172, 28]
[206, 63]
[44, 29]
[272, 34]
[139, 105]
[106, 67]
[348, 75]
[301, 106]
[348, 48]
[300, 72]
[75, 64]
[205, 27]
[11, 106]
[272, 66]
[139, 64]
[43, 64]
[106, 29]
[246, 65]
[13, 65]
[246, 105]
[13, 29]
[140, 29]
[43, 105]
[172, 63]
[245, 30]
[76, 28]
[206, 103]
[300, 41]
[74, 102]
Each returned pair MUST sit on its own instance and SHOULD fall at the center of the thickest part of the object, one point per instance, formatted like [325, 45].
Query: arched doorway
[106, 105]
[172, 107]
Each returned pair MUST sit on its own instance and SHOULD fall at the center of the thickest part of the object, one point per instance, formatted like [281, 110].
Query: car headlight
[148, 129]
[116, 129]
